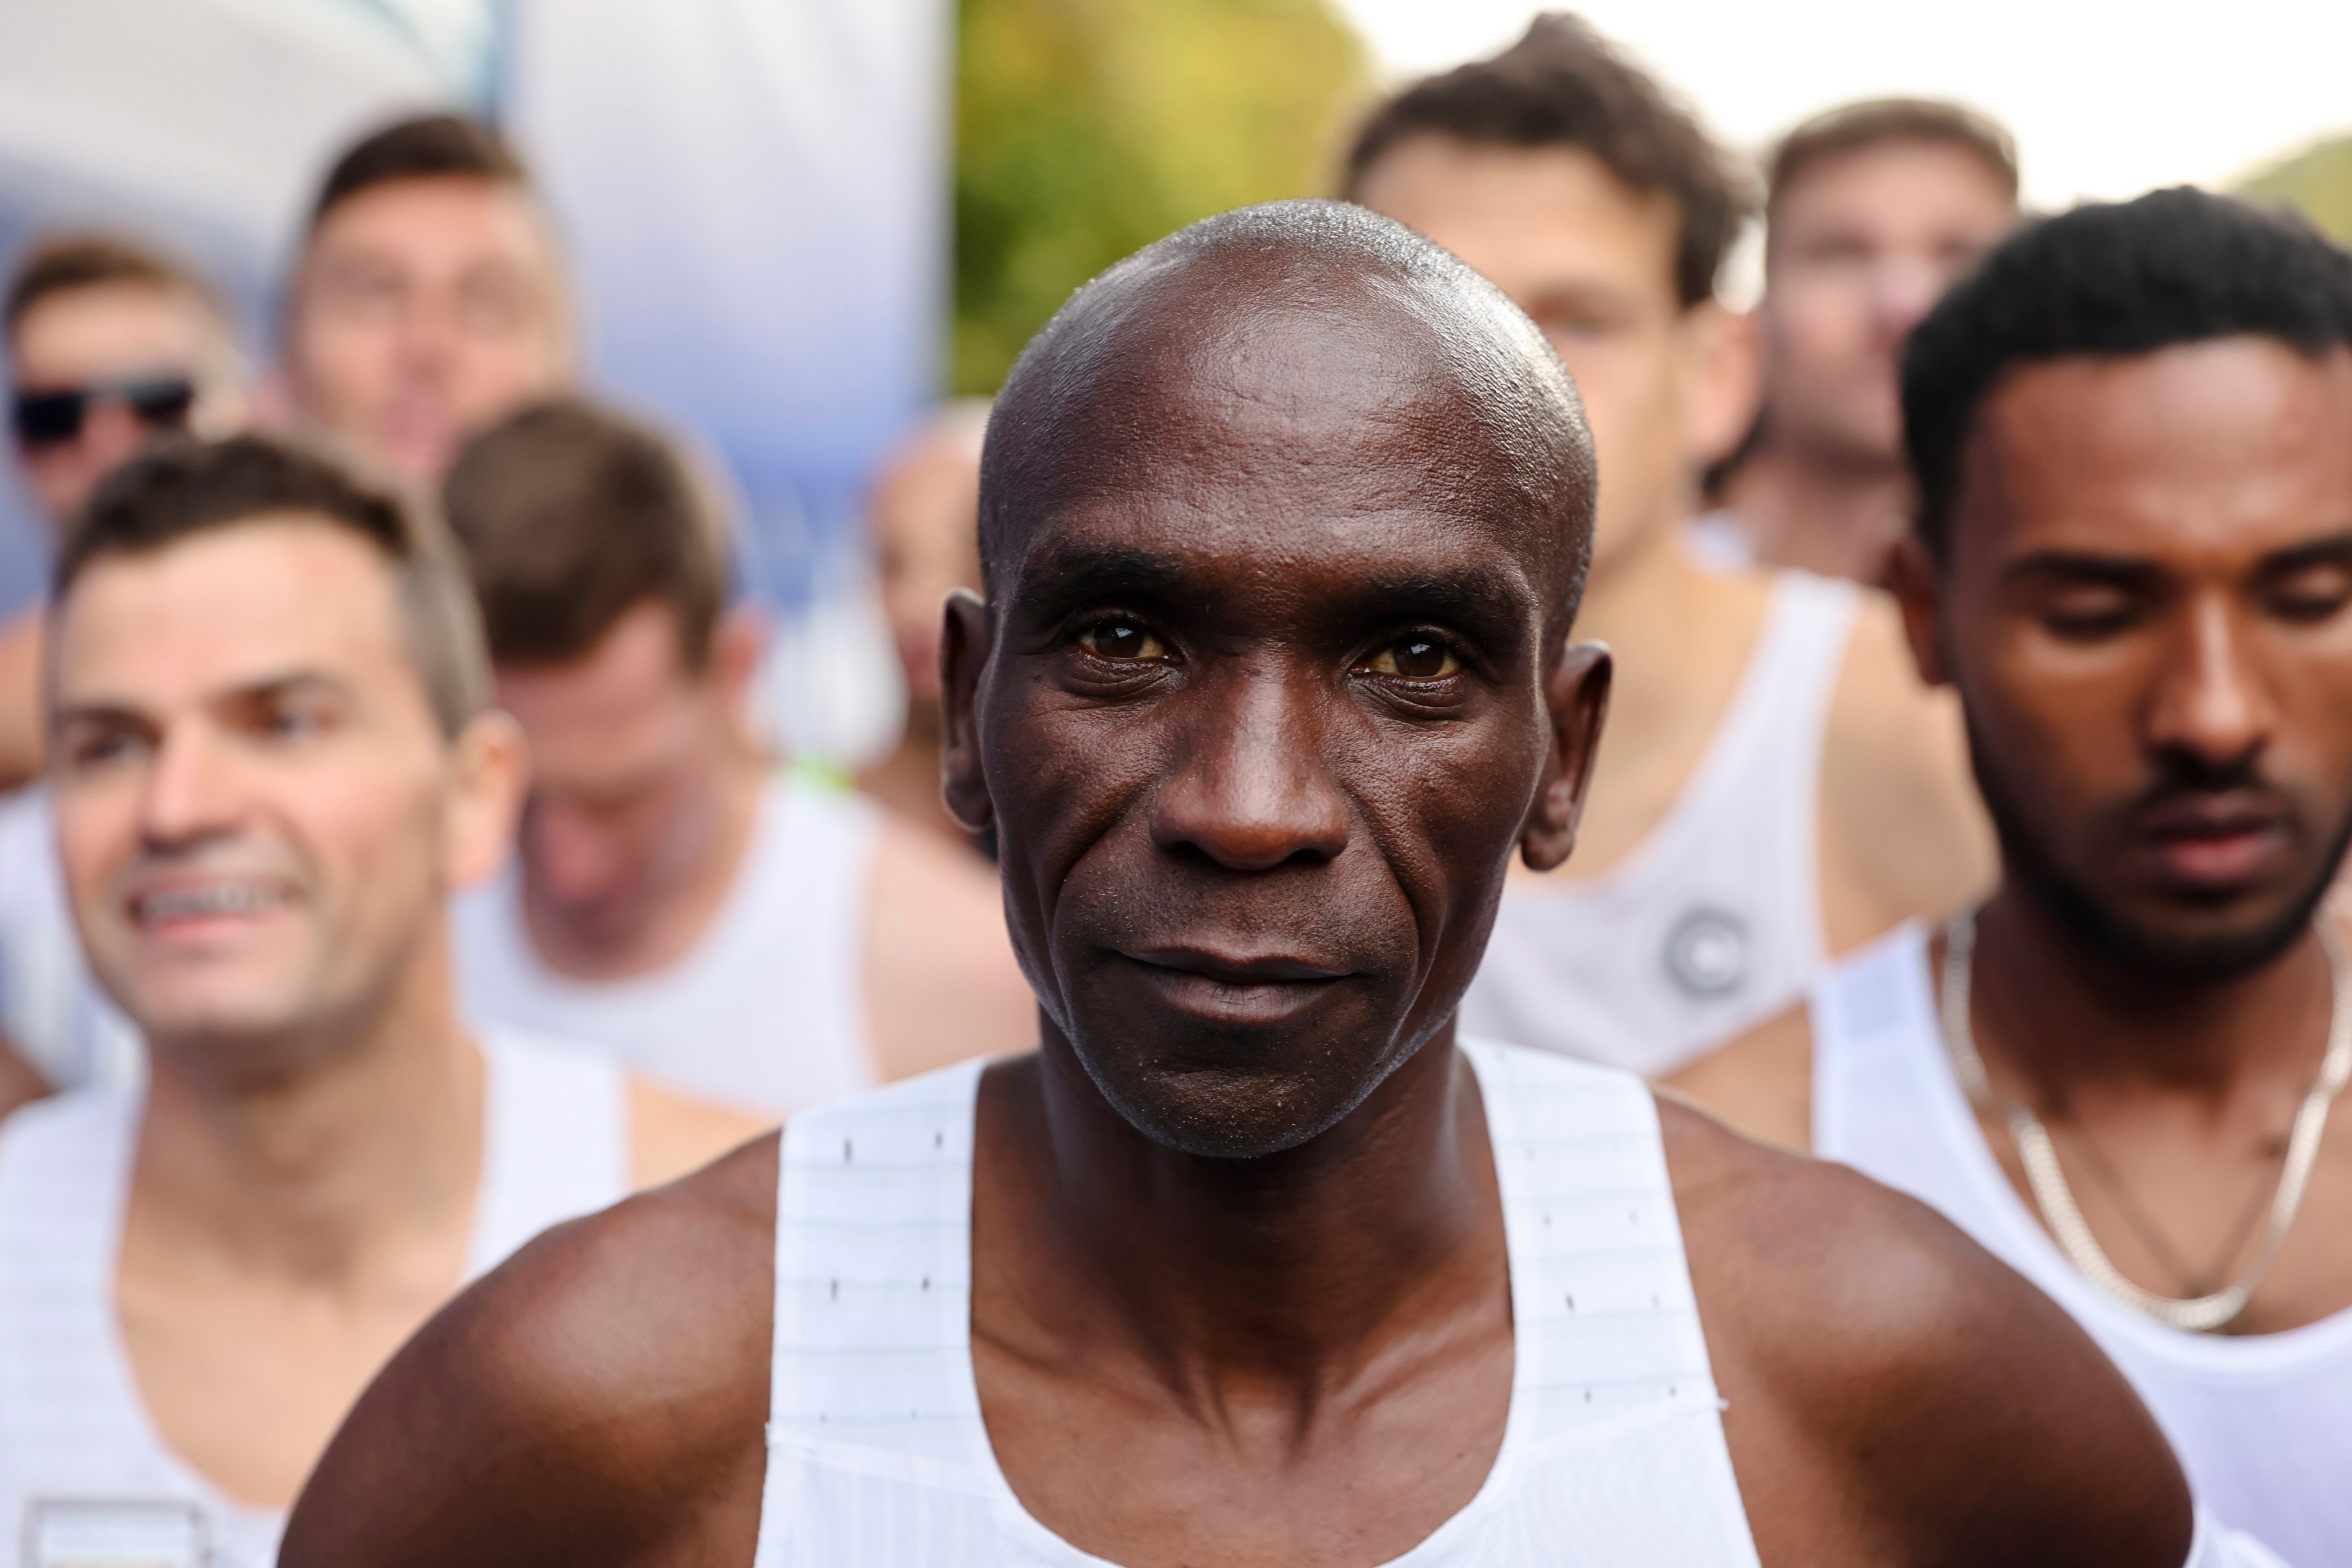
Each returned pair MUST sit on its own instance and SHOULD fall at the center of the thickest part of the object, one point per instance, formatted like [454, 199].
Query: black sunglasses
[55, 419]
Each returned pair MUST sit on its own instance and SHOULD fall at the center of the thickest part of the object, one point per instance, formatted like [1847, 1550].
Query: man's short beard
[2134, 949]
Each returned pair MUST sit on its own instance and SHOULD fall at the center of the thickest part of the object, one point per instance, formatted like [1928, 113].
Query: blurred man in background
[108, 343]
[1776, 785]
[1872, 211]
[2134, 562]
[731, 927]
[273, 761]
[429, 298]
[926, 524]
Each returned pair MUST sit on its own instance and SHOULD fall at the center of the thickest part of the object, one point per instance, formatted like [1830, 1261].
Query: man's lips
[1231, 988]
[2213, 843]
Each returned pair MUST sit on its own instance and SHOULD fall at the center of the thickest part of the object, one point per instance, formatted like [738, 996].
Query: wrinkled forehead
[1280, 419]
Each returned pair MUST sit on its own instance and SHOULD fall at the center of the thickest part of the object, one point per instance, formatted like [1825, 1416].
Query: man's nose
[565, 854]
[111, 434]
[428, 338]
[1904, 290]
[1253, 790]
[192, 791]
[2212, 703]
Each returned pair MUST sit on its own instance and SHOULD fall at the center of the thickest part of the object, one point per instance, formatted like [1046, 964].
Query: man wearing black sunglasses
[106, 343]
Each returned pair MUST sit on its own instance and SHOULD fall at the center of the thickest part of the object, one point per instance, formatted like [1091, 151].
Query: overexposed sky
[2106, 99]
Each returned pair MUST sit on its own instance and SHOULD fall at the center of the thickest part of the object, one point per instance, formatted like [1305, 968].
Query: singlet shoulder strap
[1864, 1011]
[873, 1316]
[1605, 1320]
[555, 1140]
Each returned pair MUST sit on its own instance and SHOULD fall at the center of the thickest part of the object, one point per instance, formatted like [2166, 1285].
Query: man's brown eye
[1121, 640]
[1415, 658]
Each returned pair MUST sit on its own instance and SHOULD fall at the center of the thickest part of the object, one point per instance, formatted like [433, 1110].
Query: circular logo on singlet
[1707, 952]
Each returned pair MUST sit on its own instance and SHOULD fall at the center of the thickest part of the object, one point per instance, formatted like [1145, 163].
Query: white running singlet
[85, 1479]
[1612, 1455]
[2262, 1423]
[1714, 923]
[768, 1011]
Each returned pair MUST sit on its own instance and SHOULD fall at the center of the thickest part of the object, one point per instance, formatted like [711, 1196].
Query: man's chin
[1229, 1099]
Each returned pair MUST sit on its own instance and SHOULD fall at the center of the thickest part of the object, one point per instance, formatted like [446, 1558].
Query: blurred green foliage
[1087, 129]
[2318, 180]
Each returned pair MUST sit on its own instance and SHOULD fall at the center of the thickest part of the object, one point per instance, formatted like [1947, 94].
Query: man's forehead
[2231, 447]
[1280, 560]
[229, 606]
[447, 219]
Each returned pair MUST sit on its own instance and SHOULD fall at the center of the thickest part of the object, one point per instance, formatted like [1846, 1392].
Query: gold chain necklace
[2201, 1314]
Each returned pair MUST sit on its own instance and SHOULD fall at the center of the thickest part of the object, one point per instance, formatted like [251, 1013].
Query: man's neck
[1284, 1273]
[672, 918]
[364, 1143]
[2085, 1028]
[1817, 514]
[1681, 634]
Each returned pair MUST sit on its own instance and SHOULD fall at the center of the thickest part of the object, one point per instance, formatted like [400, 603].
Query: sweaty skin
[2151, 571]
[1283, 528]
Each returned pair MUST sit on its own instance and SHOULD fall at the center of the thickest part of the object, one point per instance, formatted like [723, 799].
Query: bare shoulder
[599, 1399]
[20, 1083]
[1760, 1083]
[1895, 1394]
[671, 1134]
[942, 983]
[1902, 831]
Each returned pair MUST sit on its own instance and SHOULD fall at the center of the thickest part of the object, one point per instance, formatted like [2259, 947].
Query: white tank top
[85, 1479]
[2262, 1423]
[1714, 923]
[767, 1012]
[1612, 1455]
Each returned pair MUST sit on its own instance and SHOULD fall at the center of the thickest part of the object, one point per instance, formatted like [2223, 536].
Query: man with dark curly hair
[2134, 562]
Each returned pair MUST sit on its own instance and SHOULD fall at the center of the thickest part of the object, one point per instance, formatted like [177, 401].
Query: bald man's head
[1284, 522]
[1298, 336]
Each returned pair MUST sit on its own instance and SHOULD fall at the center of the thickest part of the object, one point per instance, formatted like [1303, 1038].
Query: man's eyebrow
[1469, 596]
[2060, 568]
[293, 682]
[1071, 570]
[2335, 550]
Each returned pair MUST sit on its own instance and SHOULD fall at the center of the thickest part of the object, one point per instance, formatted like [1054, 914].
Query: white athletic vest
[767, 1012]
[85, 1480]
[2262, 1423]
[1714, 923]
[1612, 1456]
[51, 1007]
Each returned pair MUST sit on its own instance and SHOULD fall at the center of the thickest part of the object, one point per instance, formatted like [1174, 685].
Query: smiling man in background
[272, 761]
[2134, 562]
[108, 343]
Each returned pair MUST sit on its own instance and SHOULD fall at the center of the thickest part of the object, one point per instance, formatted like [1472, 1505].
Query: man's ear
[1725, 381]
[1912, 578]
[1576, 699]
[738, 643]
[964, 644]
[490, 770]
